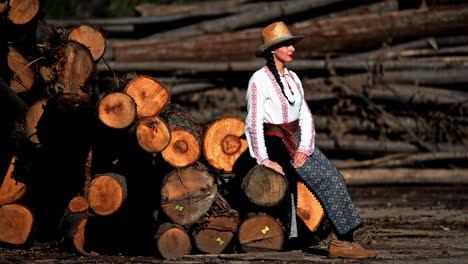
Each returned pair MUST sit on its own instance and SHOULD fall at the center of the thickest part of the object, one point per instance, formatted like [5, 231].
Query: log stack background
[82, 102]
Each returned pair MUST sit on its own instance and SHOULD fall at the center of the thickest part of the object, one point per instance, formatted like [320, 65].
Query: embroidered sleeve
[306, 123]
[254, 124]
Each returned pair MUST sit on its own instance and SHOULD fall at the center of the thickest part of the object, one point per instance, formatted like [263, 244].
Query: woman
[281, 135]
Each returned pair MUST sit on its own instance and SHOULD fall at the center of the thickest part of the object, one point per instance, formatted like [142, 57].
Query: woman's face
[285, 53]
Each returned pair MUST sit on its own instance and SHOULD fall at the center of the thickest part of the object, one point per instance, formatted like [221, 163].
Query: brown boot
[344, 249]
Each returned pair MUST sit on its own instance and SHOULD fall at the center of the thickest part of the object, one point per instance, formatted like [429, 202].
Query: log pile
[140, 150]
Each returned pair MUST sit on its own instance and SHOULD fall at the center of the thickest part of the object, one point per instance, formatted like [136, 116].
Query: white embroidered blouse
[267, 104]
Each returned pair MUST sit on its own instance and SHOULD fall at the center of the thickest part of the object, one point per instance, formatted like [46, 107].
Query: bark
[309, 208]
[222, 144]
[187, 194]
[11, 190]
[153, 134]
[184, 149]
[172, 241]
[16, 223]
[264, 186]
[91, 37]
[107, 193]
[261, 233]
[150, 95]
[117, 110]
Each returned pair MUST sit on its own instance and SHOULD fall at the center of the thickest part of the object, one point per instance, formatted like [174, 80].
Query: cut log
[153, 134]
[16, 223]
[405, 176]
[222, 144]
[309, 208]
[11, 190]
[184, 149]
[264, 186]
[23, 11]
[23, 74]
[75, 68]
[150, 95]
[261, 233]
[107, 193]
[91, 37]
[187, 194]
[33, 116]
[215, 233]
[339, 34]
[117, 110]
[75, 232]
[78, 204]
[172, 241]
[3, 6]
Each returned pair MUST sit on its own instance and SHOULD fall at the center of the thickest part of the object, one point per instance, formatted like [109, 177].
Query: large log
[107, 193]
[150, 95]
[187, 194]
[261, 233]
[214, 234]
[21, 12]
[91, 37]
[24, 76]
[153, 134]
[184, 149]
[172, 241]
[331, 35]
[74, 228]
[11, 190]
[16, 222]
[264, 186]
[117, 110]
[222, 144]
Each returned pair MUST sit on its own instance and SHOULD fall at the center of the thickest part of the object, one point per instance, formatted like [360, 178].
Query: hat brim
[265, 46]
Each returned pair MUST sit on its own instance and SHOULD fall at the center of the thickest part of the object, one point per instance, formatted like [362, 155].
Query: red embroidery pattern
[284, 104]
[254, 135]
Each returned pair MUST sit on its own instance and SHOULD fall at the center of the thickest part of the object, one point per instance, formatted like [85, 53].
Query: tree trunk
[261, 233]
[222, 144]
[117, 110]
[153, 134]
[107, 193]
[187, 194]
[264, 186]
[16, 223]
[172, 241]
[91, 37]
[184, 149]
[11, 190]
[309, 208]
[406, 176]
[150, 95]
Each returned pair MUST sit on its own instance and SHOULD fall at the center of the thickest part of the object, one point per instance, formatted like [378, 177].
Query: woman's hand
[275, 166]
[299, 159]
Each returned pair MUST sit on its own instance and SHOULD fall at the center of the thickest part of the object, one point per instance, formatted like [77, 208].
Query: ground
[405, 224]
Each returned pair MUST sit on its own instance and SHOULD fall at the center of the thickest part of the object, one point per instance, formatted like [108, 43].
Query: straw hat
[273, 34]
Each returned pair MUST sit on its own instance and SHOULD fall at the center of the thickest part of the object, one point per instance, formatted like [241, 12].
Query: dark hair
[270, 62]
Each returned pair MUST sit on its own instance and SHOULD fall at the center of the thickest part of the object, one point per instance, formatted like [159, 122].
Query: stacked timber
[140, 148]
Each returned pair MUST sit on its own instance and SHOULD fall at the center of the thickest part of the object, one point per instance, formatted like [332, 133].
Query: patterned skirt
[325, 182]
